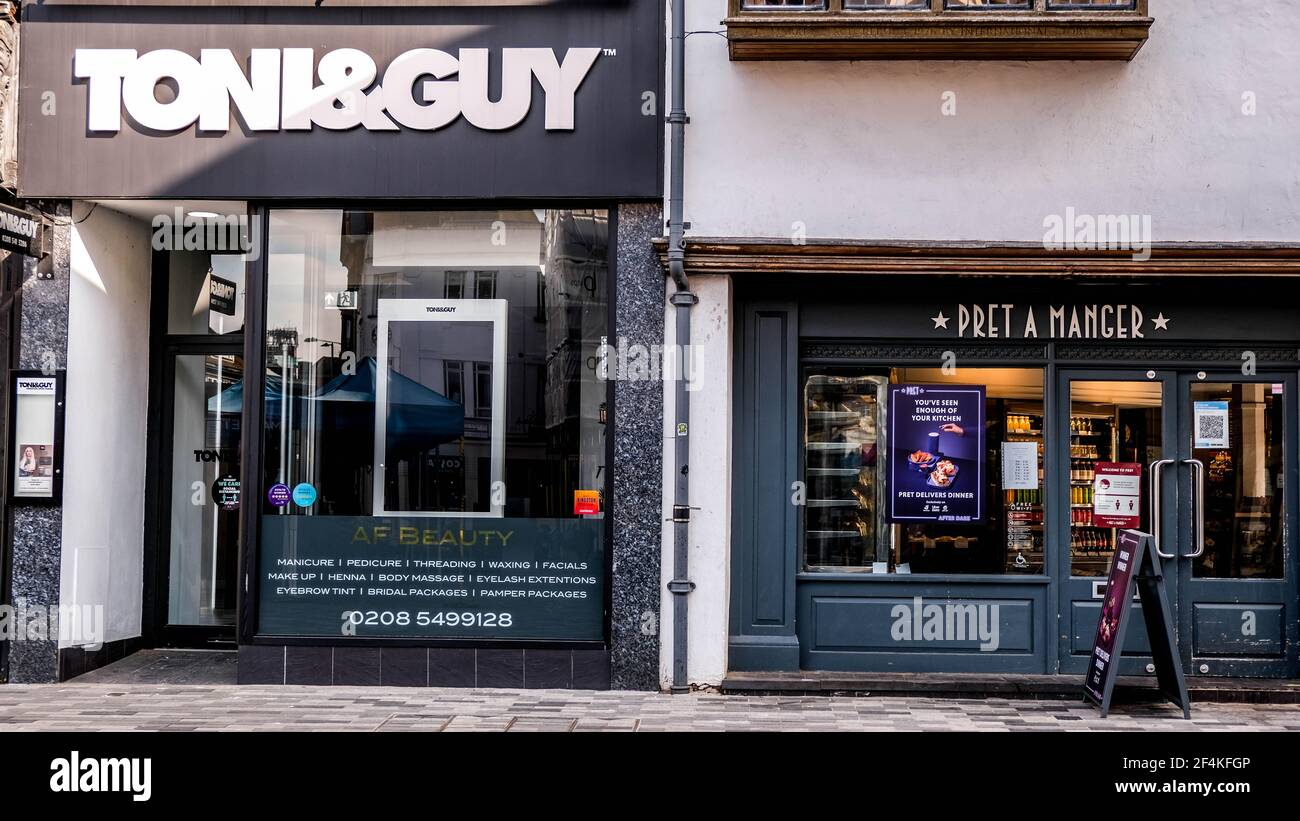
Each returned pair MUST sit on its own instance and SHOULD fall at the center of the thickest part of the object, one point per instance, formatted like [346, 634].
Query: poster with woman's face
[35, 412]
[35, 470]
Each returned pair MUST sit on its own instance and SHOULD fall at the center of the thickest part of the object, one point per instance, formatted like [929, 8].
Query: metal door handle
[1156, 484]
[1198, 506]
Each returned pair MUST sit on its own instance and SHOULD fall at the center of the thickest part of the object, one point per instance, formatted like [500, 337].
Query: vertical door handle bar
[1156, 484]
[1198, 506]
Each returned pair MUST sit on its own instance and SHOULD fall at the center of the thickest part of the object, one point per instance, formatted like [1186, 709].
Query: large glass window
[428, 399]
[847, 523]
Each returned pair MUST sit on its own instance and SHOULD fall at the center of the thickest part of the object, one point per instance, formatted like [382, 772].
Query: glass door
[1236, 478]
[202, 494]
[1114, 427]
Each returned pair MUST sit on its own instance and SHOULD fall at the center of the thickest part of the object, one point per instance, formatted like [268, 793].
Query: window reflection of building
[549, 266]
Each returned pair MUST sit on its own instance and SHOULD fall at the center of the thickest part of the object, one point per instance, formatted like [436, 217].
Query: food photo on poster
[936, 453]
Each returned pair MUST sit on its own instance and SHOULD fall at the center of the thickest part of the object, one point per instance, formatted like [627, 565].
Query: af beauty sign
[936, 453]
[478, 101]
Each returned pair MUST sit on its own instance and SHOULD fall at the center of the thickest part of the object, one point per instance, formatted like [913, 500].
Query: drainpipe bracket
[682, 514]
[680, 587]
[681, 298]
[675, 117]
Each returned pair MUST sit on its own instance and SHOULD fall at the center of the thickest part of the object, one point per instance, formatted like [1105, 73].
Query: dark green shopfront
[1181, 392]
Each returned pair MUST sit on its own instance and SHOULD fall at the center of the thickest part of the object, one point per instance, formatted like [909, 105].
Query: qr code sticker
[1210, 428]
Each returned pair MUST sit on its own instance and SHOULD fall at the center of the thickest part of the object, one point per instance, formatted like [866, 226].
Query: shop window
[402, 438]
[948, 491]
[937, 29]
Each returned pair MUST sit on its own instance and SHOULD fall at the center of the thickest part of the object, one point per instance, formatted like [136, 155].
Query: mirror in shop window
[418, 339]
[847, 423]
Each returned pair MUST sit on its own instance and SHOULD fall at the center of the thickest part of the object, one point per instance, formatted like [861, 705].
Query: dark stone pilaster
[37, 530]
[637, 495]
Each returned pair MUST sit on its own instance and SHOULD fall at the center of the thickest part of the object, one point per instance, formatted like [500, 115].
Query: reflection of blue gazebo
[231, 400]
[418, 418]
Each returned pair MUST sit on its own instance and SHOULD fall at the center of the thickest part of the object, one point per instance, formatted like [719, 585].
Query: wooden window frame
[937, 32]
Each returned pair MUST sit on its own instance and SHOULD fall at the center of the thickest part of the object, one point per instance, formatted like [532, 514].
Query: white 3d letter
[441, 98]
[561, 82]
[104, 68]
[138, 90]
[257, 96]
[516, 89]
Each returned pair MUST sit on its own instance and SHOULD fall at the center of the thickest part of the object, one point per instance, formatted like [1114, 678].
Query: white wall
[104, 439]
[862, 150]
[710, 473]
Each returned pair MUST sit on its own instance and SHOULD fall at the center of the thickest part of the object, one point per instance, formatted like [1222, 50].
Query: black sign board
[1135, 562]
[457, 100]
[221, 295]
[432, 578]
[19, 231]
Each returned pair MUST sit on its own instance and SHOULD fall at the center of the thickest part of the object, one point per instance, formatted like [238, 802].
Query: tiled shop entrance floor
[75, 706]
[167, 667]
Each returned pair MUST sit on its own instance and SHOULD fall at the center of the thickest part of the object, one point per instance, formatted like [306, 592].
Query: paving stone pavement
[100, 707]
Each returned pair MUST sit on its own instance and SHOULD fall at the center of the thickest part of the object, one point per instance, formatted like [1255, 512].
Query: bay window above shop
[936, 29]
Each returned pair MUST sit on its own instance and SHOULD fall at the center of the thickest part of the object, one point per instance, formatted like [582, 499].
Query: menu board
[936, 453]
[1114, 615]
[1135, 565]
[1117, 494]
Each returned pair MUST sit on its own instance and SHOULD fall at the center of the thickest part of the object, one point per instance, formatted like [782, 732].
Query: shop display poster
[936, 453]
[1020, 465]
[1117, 495]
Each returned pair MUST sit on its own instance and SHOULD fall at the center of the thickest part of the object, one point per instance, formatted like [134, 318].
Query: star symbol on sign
[1160, 322]
[940, 321]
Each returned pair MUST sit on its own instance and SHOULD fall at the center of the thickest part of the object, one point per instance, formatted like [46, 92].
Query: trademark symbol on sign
[610, 52]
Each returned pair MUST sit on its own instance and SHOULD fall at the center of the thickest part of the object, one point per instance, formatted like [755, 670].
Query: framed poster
[1117, 495]
[36, 436]
[440, 391]
[936, 453]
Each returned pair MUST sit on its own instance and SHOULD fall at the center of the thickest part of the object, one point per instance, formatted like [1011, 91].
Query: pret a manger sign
[422, 89]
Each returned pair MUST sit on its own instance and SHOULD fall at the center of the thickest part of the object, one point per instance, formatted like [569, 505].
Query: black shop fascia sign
[456, 101]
